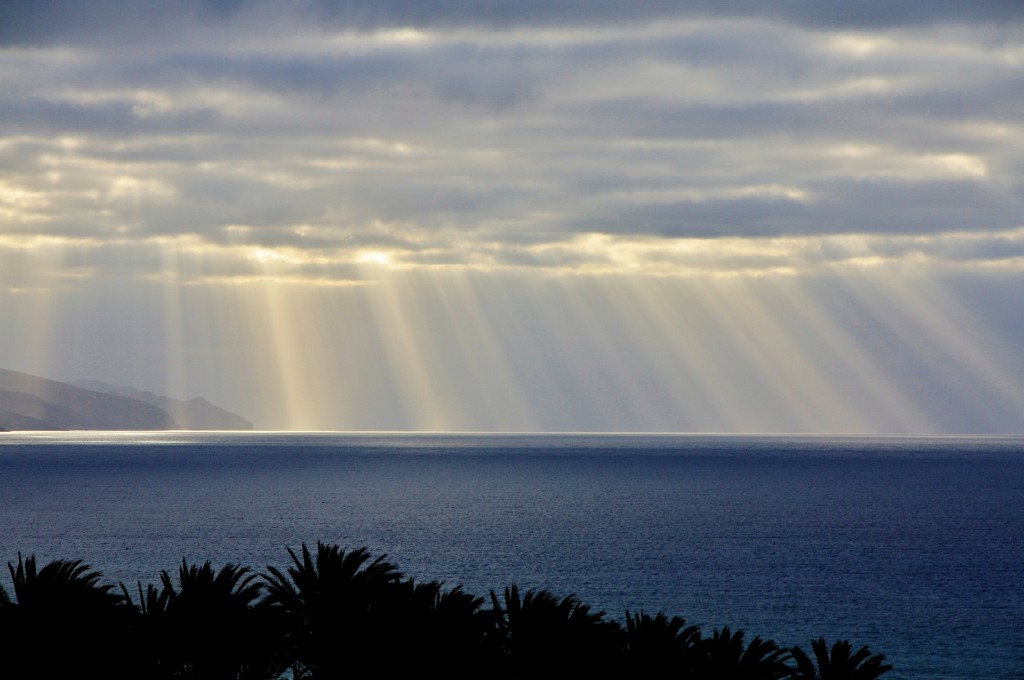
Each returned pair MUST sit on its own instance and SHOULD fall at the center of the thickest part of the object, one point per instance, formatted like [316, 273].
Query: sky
[792, 217]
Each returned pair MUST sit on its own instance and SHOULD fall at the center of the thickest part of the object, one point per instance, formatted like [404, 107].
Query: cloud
[97, 21]
[497, 135]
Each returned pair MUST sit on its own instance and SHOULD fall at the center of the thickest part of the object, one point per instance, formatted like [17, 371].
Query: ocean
[912, 546]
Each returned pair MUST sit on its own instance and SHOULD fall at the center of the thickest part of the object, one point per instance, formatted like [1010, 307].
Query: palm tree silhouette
[328, 603]
[148, 634]
[839, 663]
[64, 606]
[439, 632]
[547, 636]
[334, 613]
[213, 624]
[653, 644]
[726, 656]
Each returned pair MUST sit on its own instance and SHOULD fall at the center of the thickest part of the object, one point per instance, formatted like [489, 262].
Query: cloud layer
[507, 134]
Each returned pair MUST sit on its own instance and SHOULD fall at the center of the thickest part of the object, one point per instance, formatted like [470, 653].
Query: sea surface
[912, 546]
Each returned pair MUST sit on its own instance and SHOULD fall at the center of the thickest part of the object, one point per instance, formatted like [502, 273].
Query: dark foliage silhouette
[442, 632]
[651, 644]
[839, 663]
[64, 606]
[726, 656]
[334, 613]
[149, 630]
[328, 604]
[543, 635]
[212, 625]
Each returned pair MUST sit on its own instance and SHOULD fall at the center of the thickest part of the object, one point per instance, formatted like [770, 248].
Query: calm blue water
[914, 547]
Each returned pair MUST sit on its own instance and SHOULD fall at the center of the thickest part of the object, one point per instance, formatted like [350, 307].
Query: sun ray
[396, 316]
[32, 289]
[956, 353]
[678, 332]
[170, 281]
[879, 403]
[490, 386]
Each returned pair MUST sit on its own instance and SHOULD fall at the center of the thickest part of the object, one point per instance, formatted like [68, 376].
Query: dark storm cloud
[305, 74]
[454, 73]
[502, 13]
[852, 207]
[895, 117]
[95, 21]
[41, 116]
[701, 219]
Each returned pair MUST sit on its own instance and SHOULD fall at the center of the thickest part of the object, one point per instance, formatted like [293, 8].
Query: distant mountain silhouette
[193, 414]
[29, 402]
